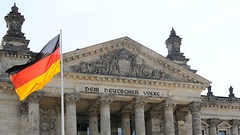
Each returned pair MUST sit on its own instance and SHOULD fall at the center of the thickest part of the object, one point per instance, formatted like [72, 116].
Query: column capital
[139, 102]
[213, 122]
[234, 122]
[168, 104]
[106, 100]
[93, 110]
[126, 113]
[35, 97]
[195, 106]
[71, 97]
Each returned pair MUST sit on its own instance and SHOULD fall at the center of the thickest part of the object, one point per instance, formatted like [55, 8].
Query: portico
[96, 112]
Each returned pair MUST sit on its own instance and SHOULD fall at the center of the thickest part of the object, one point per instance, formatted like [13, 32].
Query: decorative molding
[195, 106]
[139, 102]
[105, 100]
[102, 78]
[17, 56]
[93, 110]
[213, 122]
[35, 97]
[71, 97]
[168, 104]
[234, 122]
[126, 113]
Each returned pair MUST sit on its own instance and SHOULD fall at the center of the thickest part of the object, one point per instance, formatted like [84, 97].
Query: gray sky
[209, 28]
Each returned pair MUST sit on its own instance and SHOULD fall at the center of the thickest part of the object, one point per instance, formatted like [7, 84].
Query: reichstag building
[118, 87]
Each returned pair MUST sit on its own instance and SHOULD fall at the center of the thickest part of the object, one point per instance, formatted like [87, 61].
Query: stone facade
[119, 87]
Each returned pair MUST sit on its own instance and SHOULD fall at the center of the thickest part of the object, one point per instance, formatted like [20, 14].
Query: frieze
[121, 62]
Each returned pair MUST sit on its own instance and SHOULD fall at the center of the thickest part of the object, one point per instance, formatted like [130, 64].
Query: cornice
[6, 86]
[132, 81]
[221, 106]
[16, 56]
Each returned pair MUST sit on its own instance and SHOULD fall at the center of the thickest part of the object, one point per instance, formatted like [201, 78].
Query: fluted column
[33, 113]
[168, 106]
[93, 120]
[71, 116]
[195, 108]
[188, 121]
[125, 115]
[213, 126]
[139, 117]
[105, 115]
[235, 124]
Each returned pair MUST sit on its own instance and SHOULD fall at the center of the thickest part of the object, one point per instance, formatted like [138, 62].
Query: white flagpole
[62, 86]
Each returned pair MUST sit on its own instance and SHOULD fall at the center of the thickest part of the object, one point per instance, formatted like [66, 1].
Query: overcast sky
[209, 28]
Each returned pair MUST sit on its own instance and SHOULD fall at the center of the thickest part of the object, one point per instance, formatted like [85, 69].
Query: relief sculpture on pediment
[121, 62]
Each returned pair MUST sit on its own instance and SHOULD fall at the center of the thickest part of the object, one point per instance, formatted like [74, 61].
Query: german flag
[37, 72]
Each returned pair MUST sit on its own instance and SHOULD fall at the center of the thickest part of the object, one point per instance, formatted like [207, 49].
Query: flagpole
[62, 86]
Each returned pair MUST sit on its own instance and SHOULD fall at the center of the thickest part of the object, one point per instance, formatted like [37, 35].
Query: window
[222, 132]
[119, 131]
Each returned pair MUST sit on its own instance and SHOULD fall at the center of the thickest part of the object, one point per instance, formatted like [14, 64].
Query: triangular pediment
[125, 57]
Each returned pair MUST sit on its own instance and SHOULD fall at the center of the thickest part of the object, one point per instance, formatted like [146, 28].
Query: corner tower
[173, 44]
[14, 40]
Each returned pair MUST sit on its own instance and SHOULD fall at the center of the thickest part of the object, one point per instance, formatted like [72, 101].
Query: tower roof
[14, 39]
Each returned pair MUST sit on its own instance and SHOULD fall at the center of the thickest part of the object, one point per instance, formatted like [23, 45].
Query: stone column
[105, 115]
[33, 113]
[235, 124]
[154, 124]
[188, 121]
[195, 108]
[139, 117]
[71, 120]
[24, 118]
[213, 126]
[126, 122]
[93, 120]
[168, 106]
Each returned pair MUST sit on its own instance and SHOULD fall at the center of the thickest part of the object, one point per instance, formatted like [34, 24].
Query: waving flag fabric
[37, 72]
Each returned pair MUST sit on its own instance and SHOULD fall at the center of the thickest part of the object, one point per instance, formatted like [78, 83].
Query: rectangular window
[203, 132]
[222, 132]
[119, 131]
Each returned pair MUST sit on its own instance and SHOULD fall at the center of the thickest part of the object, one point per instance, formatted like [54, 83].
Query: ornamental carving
[234, 122]
[121, 62]
[213, 122]
[168, 104]
[195, 106]
[47, 121]
[71, 97]
[35, 97]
